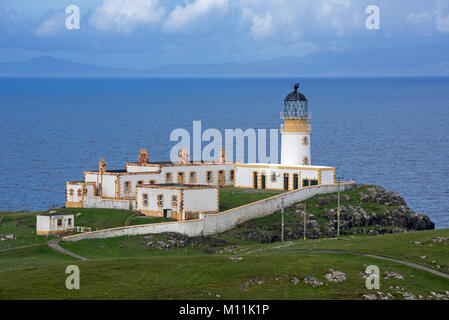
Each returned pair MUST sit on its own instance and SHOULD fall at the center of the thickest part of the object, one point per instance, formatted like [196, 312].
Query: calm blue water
[390, 132]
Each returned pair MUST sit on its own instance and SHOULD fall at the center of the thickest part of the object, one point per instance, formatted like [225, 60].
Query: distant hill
[406, 61]
[48, 66]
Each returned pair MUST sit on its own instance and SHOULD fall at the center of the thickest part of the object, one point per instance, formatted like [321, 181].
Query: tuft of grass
[236, 197]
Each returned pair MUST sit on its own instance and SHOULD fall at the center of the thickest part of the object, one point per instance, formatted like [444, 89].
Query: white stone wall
[152, 198]
[292, 149]
[43, 223]
[108, 186]
[244, 176]
[201, 173]
[98, 202]
[135, 168]
[77, 194]
[201, 200]
[220, 222]
[327, 176]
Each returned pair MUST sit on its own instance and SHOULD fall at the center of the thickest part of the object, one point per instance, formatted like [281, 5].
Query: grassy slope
[399, 245]
[126, 268]
[192, 277]
[235, 197]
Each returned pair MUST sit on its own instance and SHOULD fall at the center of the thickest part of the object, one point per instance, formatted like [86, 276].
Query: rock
[387, 275]
[335, 276]
[370, 296]
[294, 281]
[314, 282]
[4, 237]
[235, 259]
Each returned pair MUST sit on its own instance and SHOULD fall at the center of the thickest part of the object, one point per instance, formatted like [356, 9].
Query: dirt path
[407, 263]
[55, 245]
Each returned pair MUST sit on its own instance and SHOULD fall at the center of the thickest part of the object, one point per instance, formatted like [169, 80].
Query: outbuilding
[51, 224]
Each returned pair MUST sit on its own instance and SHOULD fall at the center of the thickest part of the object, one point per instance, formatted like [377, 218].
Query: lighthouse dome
[296, 105]
[295, 95]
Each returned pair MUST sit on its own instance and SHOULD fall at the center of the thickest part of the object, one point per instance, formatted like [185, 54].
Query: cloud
[442, 24]
[180, 17]
[261, 27]
[126, 15]
[52, 25]
[294, 20]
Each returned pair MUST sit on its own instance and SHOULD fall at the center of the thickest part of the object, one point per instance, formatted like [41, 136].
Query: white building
[51, 224]
[177, 201]
[123, 189]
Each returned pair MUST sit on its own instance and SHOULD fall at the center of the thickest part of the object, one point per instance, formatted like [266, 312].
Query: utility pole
[282, 222]
[338, 207]
[305, 221]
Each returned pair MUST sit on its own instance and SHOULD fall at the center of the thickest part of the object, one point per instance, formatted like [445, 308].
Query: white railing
[292, 115]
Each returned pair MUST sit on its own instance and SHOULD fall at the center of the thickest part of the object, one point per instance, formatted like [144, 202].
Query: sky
[147, 33]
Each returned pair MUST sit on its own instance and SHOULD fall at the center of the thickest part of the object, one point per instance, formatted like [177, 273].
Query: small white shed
[51, 224]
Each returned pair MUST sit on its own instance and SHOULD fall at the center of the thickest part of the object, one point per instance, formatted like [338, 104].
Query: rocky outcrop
[370, 210]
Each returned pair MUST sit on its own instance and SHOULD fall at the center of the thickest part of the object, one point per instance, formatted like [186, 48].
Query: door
[263, 181]
[295, 181]
[221, 178]
[167, 213]
[285, 181]
[181, 177]
[255, 177]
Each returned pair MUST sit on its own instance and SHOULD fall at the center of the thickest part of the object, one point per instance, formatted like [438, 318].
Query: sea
[391, 132]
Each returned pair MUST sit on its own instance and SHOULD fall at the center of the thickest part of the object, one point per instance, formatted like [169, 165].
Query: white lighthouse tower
[295, 141]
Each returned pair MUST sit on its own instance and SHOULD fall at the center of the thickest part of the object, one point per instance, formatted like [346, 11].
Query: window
[210, 176]
[145, 199]
[59, 222]
[313, 182]
[192, 177]
[160, 200]
[174, 201]
[140, 182]
[273, 177]
[127, 186]
[168, 177]
[305, 161]
[305, 183]
[305, 141]
[231, 175]
[69, 222]
[71, 192]
[152, 181]
[80, 192]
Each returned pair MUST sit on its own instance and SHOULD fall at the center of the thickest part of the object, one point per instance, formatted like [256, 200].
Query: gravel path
[55, 245]
[407, 263]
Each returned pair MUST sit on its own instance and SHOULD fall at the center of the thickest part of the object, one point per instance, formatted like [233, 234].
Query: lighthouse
[295, 131]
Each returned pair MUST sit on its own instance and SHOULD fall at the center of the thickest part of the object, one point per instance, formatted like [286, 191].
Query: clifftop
[366, 209]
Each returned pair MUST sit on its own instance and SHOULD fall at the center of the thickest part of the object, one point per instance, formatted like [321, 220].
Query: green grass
[236, 197]
[23, 225]
[192, 277]
[98, 218]
[127, 246]
[31, 257]
[398, 245]
[149, 220]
